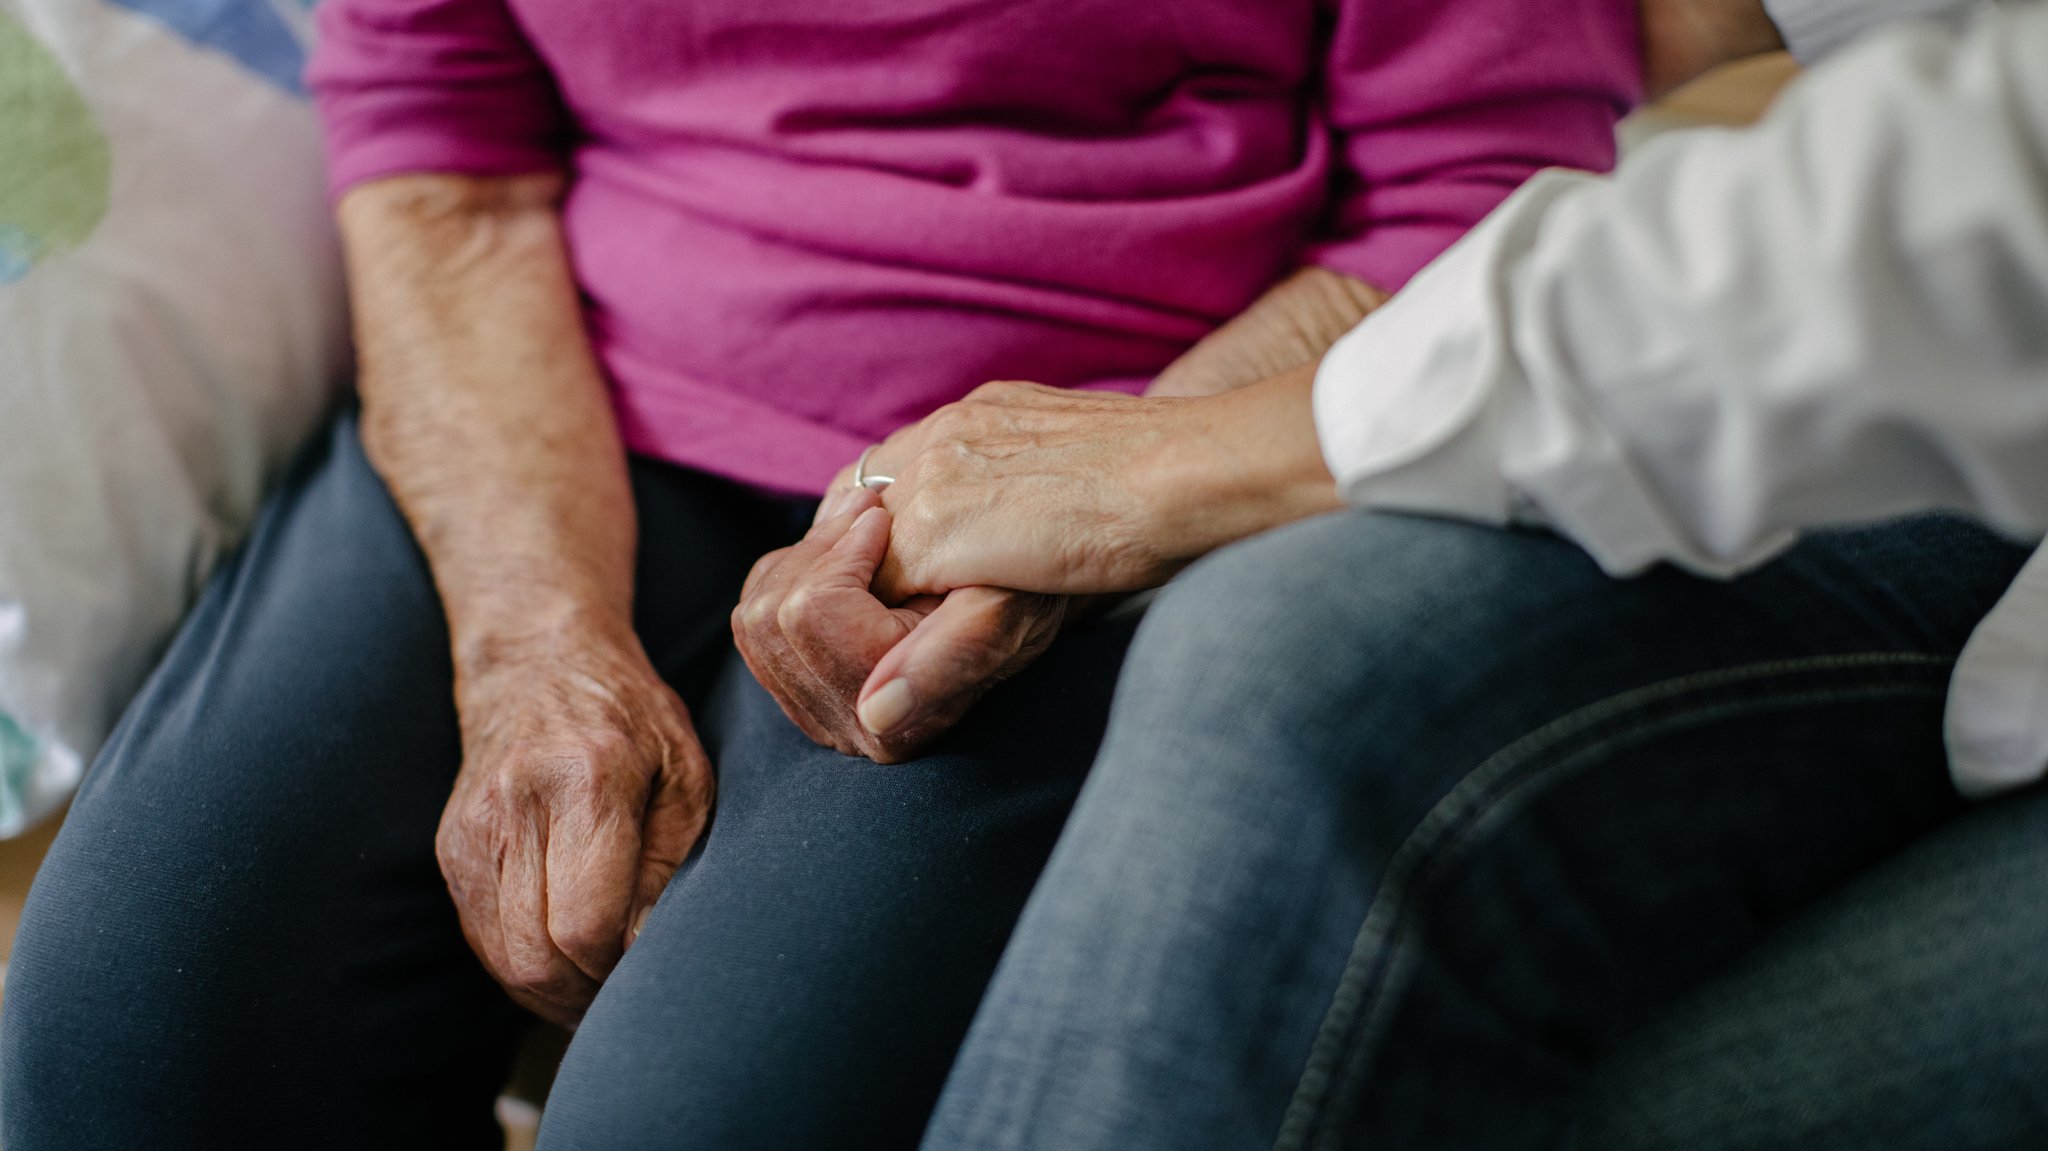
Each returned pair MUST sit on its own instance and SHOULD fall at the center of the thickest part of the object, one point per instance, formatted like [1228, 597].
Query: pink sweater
[799, 224]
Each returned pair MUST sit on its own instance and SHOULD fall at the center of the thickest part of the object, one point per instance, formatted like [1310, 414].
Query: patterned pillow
[171, 326]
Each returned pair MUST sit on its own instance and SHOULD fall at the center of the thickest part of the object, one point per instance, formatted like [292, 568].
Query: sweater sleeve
[1438, 109]
[432, 86]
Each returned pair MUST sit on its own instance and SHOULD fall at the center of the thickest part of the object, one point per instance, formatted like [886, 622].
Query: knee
[119, 921]
[99, 1009]
[1330, 615]
[154, 928]
[1352, 651]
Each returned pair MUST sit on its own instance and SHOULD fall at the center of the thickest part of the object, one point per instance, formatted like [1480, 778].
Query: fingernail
[639, 921]
[886, 710]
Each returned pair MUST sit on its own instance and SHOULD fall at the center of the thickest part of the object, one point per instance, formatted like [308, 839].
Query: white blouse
[1839, 315]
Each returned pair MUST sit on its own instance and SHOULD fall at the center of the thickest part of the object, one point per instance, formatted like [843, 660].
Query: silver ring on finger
[861, 478]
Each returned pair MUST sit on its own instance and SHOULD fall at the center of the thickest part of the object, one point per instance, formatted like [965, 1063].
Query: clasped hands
[584, 786]
[899, 609]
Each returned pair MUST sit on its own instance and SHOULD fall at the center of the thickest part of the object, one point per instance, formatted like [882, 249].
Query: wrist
[490, 636]
[1237, 464]
[1292, 324]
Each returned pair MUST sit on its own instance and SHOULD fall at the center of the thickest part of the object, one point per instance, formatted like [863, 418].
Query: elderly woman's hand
[858, 675]
[982, 632]
[1068, 492]
[582, 789]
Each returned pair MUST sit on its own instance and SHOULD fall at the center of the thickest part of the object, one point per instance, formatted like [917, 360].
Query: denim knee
[1346, 623]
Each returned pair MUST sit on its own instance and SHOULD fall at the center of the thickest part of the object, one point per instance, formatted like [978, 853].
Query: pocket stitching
[1505, 782]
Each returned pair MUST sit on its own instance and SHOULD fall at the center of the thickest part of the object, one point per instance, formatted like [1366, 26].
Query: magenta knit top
[800, 224]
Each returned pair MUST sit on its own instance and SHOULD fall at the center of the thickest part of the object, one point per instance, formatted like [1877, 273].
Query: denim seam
[1499, 787]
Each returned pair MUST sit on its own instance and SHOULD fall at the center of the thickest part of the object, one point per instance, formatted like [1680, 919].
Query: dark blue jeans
[241, 938]
[1906, 1012]
[1400, 823]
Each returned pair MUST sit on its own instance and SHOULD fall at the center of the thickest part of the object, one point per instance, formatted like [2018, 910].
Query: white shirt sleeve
[1816, 28]
[1838, 315]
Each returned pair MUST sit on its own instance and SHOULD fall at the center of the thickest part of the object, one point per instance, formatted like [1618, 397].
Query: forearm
[1292, 324]
[1239, 464]
[1244, 457]
[484, 408]
[1684, 39]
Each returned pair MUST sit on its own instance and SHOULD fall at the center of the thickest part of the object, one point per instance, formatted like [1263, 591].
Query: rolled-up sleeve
[432, 86]
[1440, 109]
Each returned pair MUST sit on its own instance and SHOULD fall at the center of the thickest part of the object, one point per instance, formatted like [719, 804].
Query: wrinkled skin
[815, 635]
[827, 662]
[583, 787]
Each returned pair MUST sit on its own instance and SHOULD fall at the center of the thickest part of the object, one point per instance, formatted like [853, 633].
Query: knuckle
[537, 975]
[797, 610]
[764, 565]
[463, 832]
[995, 391]
[580, 936]
[757, 615]
[607, 745]
[448, 854]
[920, 519]
[452, 838]
[954, 421]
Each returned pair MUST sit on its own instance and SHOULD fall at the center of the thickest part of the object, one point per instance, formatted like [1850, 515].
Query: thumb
[677, 814]
[853, 558]
[967, 644]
